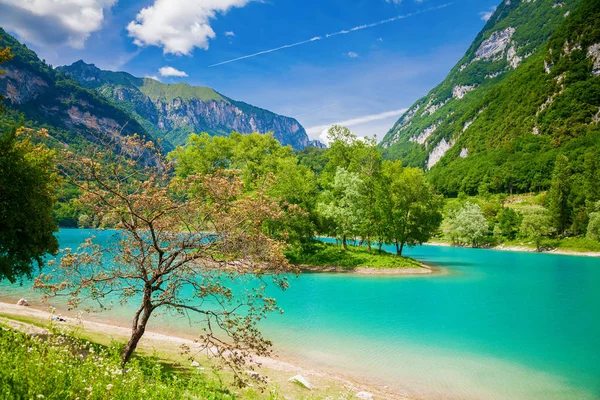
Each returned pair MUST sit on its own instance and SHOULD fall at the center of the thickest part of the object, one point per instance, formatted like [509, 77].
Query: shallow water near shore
[499, 325]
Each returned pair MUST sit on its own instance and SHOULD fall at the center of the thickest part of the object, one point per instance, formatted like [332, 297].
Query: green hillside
[526, 90]
[44, 97]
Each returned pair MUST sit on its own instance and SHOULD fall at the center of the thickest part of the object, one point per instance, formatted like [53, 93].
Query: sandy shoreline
[524, 249]
[325, 383]
[423, 270]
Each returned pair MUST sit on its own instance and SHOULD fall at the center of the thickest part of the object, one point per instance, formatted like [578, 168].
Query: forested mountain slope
[527, 89]
[173, 111]
[49, 98]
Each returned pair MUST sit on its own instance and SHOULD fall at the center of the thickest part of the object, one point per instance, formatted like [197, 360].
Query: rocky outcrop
[178, 110]
[458, 92]
[423, 136]
[438, 152]
[20, 86]
[594, 53]
[493, 47]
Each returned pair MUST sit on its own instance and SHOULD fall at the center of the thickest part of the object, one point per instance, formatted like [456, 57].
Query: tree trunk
[401, 248]
[344, 242]
[398, 251]
[369, 243]
[138, 329]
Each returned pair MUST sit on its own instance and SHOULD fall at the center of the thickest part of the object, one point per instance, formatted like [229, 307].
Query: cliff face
[526, 89]
[47, 97]
[172, 112]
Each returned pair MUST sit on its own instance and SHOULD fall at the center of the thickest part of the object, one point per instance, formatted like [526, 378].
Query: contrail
[342, 32]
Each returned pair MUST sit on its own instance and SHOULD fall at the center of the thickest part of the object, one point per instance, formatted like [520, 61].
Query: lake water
[499, 325]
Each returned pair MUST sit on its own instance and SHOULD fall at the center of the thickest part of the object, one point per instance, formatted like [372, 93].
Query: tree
[536, 225]
[558, 195]
[415, 212]
[258, 158]
[593, 229]
[469, 224]
[181, 246]
[28, 181]
[509, 222]
[343, 204]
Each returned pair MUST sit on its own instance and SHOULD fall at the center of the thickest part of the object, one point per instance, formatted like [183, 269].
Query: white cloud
[352, 54]
[321, 130]
[54, 22]
[230, 34]
[380, 39]
[170, 71]
[178, 26]
[394, 1]
[156, 78]
[486, 15]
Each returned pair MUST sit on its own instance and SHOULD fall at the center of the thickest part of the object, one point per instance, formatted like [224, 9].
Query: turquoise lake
[498, 325]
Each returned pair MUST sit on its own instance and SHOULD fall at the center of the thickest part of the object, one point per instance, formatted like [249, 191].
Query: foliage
[593, 229]
[27, 183]
[342, 204]
[258, 158]
[331, 255]
[469, 224]
[177, 245]
[558, 195]
[536, 225]
[515, 124]
[414, 212]
[63, 367]
[509, 222]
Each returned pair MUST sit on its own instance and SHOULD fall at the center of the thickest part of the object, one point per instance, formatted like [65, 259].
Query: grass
[58, 366]
[156, 90]
[331, 255]
[176, 379]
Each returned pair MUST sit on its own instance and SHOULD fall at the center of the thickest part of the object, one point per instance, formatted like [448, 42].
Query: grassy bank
[328, 255]
[58, 366]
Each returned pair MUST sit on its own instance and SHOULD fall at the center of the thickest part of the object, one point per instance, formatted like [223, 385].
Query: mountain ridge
[495, 118]
[173, 111]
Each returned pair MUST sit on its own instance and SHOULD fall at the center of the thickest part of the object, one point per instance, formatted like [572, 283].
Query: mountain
[527, 89]
[48, 98]
[173, 111]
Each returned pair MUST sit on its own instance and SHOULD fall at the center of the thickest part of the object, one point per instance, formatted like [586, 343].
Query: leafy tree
[343, 204]
[509, 222]
[180, 246]
[536, 225]
[27, 183]
[593, 230]
[415, 212]
[558, 195]
[469, 224]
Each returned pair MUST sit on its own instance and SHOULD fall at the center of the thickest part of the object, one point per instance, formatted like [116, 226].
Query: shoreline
[277, 369]
[423, 270]
[522, 249]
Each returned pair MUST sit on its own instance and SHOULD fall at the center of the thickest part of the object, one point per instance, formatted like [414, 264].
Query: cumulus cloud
[179, 26]
[170, 71]
[52, 22]
[486, 15]
[230, 34]
[352, 54]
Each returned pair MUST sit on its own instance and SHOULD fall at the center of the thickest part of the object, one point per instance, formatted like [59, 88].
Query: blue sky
[363, 77]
